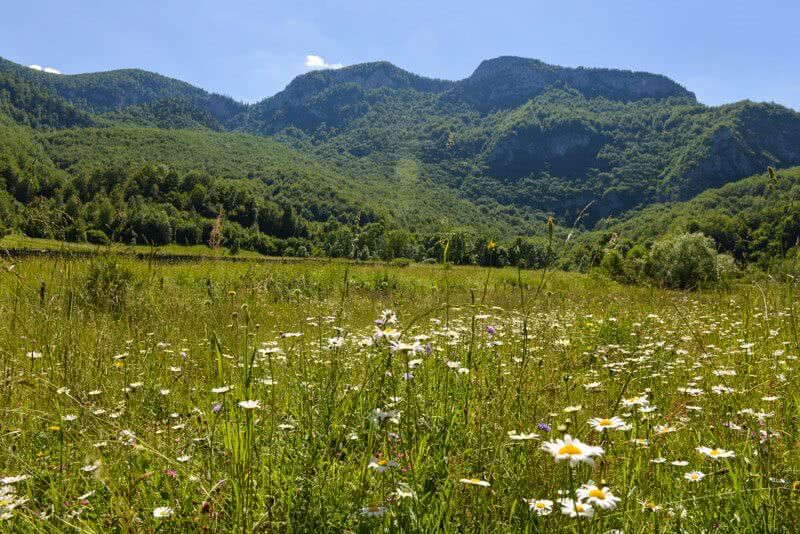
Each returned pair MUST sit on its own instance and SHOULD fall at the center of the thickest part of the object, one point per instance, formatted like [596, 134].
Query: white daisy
[600, 497]
[540, 506]
[573, 450]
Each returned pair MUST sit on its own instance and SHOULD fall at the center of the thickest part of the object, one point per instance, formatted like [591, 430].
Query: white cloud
[316, 62]
[51, 70]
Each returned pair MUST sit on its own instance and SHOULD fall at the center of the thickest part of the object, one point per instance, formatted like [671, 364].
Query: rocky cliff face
[764, 134]
[562, 151]
[506, 82]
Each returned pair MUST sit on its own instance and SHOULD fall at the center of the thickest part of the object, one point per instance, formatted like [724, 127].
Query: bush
[97, 237]
[187, 233]
[613, 264]
[75, 233]
[152, 223]
[686, 261]
[108, 284]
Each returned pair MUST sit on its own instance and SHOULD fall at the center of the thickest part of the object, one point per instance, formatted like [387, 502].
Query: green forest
[522, 163]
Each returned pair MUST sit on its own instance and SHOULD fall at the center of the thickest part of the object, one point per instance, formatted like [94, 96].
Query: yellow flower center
[597, 493]
[605, 422]
[475, 480]
[714, 452]
[579, 508]
[695, 476]
[569, 449]
[540, 505]
[382, 463]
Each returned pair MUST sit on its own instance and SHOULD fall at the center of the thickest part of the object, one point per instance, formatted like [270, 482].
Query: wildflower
[544, 427]
[540, 506]
[404, 491]
[649, 506]
[664, 429]
[635, 401]
[514, 436]
[573, 450]
[475, 482]
[222, 390]
[694, 476]
[8, 481]
[373, 511]
[381, 465]
[576, 509]
[378, 416]
[600, 497]
[250, 404]
[716, 454]
[163, 512]
[601, 425]
[396, 346]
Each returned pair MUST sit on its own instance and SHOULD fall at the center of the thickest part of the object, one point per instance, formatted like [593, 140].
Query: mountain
[102, 92]
[331, 96]
[508, 82]
[489, 156]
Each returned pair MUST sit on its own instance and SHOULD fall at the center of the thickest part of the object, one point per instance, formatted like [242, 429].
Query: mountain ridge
[495, 153]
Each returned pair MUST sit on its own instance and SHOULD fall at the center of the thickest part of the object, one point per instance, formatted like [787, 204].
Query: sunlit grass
[145, 396]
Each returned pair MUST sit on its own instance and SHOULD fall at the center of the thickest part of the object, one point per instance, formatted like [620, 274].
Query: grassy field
[18, 242]
[210, 396]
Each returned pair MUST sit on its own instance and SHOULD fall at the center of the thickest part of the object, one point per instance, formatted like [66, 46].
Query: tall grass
[125, 389]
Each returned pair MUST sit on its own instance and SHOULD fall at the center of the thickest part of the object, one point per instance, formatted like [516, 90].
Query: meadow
[148, 396]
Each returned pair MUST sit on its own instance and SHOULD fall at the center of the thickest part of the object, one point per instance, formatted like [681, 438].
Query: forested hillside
[756, 219]
[373, 161]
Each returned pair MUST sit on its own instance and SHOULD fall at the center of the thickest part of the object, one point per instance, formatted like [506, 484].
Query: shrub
[187, 233]
[76, 232]
[613, 264]
[97, 237]
[685, 261]
[152, 223]
[108, 284]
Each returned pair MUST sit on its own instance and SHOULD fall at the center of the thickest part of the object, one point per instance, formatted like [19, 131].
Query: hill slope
[754, 219]
[488, 156]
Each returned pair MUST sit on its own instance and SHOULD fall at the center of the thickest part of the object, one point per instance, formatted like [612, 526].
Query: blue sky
[722, 50]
